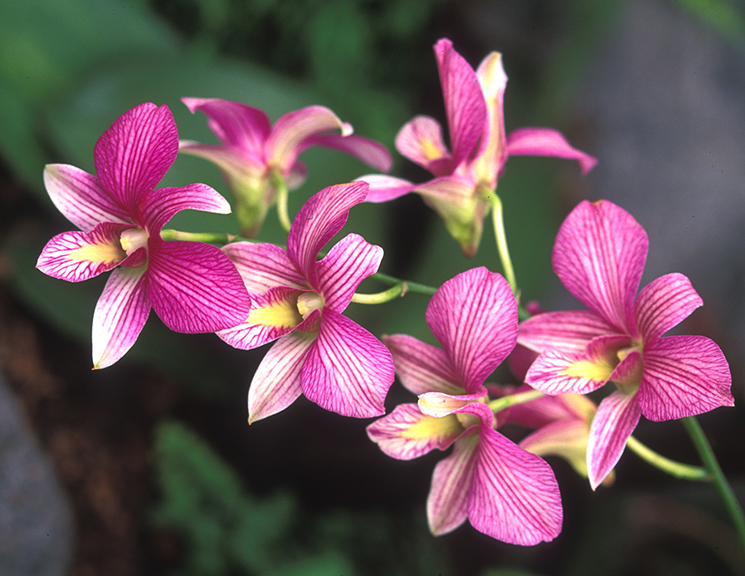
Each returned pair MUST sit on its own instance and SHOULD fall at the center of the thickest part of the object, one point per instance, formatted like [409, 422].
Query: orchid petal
[80, 198]
[162, 204]
[566, 438]
[347, 264]
[134, 154]
[194, 287]
[439, 405]
[420, 140]
[599, 255]
[239, 167]
[615, 420]
[474, 318]
[513, 494]
[663, 304]
[349, 371]
[567, 331]
[276, 383]
[683, 376]
[264, 266]
[273, 314]
[364, 149]
[384, 188]
[547, 142]
[464, 101]
[235, 124]
[492, 153]
[422, 367]
[548, 409]
[319, 219]
[120, 314]
[406, 433]
[78, 256]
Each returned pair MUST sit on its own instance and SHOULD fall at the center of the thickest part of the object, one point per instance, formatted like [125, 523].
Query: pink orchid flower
[599, 256]
[322, 354]
[256, 158]
[504, 491]
[193, 287]
[467, 173]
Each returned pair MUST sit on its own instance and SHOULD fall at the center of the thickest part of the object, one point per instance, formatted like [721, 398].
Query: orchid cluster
[252, 293]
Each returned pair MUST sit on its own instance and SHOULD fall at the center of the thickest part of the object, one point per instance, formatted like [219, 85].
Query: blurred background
[149, 467]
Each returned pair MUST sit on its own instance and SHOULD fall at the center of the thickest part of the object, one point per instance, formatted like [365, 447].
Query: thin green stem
[677, 469]
[512, 399]
[501, 238]
[282, 195]
[381, 297]
[722, 486]
[410, 286]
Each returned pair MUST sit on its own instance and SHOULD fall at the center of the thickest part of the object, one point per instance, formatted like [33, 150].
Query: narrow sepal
[663, 304]
[422, 367]
[264, 266]
[567, 331]
[349, 371]
[385, 188]
[547, 142]
[369, 151]
[234, 123]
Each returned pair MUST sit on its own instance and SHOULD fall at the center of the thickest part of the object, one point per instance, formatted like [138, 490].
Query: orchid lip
[308, 302]
[132, 239]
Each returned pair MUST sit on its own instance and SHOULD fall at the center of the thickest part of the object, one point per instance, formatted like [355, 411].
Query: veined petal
[80, 198]
[464, 100]
[162, 204]
[546, 142]
[194, 287]
[599, 255]
[492, 152]
[134, 154]
[349, 371]
[447, 503]
[364, 149]
[273, 314]
[474, 318]
[439, 405]
[264, 266]
[77, 256]
[683, 376]
[406, 433]
[567, 331]
[615, 420]
[347, 264]
[663, 304]
[318, 221]
[420, 140]
[239, 167]
[513, 494]
[384, 188]
[276, 383]
[234, 123]
[422, 367]
[290, 132]
[120, 314]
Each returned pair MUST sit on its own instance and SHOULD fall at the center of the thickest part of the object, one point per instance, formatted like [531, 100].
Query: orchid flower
[599, 256]
[193, 287]
[320, 353]
[465, 175]
[257, 160]
[504, 491]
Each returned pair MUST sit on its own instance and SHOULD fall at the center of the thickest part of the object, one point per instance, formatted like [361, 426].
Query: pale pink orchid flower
[599, 256]
[193, 287]
[320, 353]
[503, 490]
[466, 174]
[256, 158]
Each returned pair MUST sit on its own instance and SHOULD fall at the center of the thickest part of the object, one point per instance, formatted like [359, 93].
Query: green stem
[501, 238]
[282, 195]
[381, 297]
[722, 486]
[677, 469]
[410, 286]
[512, 399]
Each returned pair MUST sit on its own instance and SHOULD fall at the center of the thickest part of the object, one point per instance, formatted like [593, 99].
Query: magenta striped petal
[547, 142]
[318, 221]
[513, 494]
[406, 433]
[349, 371]
[663, 304]
[347, 264]
[120, 314]
[234, 123]
[558, 373]
[276, 383]
[599, 255]
[384, 188]
[162, 204]
[264, 266]
[365, 150]
[683, 376]
[474, 318]
[464, 101]
[134, 154]
[80, 198]
[422, 367]
[420, 140]
[567, 331]
[78, 256]
[194, 287]
[272, 315]
[615, 420]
